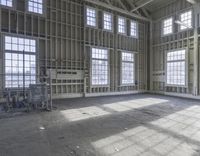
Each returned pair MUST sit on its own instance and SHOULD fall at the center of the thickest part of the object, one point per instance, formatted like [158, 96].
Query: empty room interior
[99, 78]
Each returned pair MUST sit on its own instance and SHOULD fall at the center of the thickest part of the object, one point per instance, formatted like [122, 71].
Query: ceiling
[141, 7]
[150, 5]
[157, 4]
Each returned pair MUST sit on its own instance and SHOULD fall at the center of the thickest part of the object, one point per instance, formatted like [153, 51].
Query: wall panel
[178, 40]
[64, 44]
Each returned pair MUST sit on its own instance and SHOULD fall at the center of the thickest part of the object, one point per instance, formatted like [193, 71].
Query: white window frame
[36, 12]
[110, 22]
[91, 69]
[125, 25]
[171, 27]
[15, 53]
[86, 17]
[175, 61]
[183, 28]
[136, 29]
[7, 1]
[133, 68]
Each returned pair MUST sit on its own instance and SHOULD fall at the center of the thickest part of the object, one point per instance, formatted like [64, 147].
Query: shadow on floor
[122, 125]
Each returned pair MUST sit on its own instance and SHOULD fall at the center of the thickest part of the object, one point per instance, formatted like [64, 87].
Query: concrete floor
[142, 125]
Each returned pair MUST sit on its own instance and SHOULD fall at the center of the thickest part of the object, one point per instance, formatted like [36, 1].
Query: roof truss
[128, 6]
[123, 6]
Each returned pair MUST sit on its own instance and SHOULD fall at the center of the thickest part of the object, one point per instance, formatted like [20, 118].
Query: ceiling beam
[108, 1]
[191, 1]
[111, 7]
[146, 13]
[142, 5]
[123, 6]
[132, 6]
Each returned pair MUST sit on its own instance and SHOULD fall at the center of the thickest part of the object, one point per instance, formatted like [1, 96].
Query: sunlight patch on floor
[134, 104]
[97, 111]
[143, 141]
[185, 122]
[175, 134]
[83, 113]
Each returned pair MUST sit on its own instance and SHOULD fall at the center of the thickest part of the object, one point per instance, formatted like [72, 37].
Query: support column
[196, 51]
[151, 56]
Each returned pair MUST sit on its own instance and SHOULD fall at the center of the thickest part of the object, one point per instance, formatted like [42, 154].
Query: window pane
[8, 56]
[20, 44]
[176, 74]
[6, 3]
[91, 17]
[99, 66]
[127, 68]
[107, 21]
[127, 57]
[186, 19]
[14, 62]
[121, 25]
[99, 53]
[134, 29]
[167, 26]
[35, 6]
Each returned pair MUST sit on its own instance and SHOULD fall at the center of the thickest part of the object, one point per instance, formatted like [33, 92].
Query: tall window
[6, 2]
[134, 29]
[167, 26]
[186, 19]
[127, 68]
[91, 16]
[99, 66]
[16, 70]
[107, 21]
[35, 6]
[176, 65]
[121, 25]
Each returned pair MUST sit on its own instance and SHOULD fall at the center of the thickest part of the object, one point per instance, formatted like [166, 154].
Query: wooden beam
[108, 1]
[123, 6]
[146, 12]
[133, 6]
[142, 5]
[196, 52]
[191, 1]
[118, 10]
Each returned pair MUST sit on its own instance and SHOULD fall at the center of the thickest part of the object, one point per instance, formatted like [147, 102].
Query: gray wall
[185, 39]
[64, 45]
